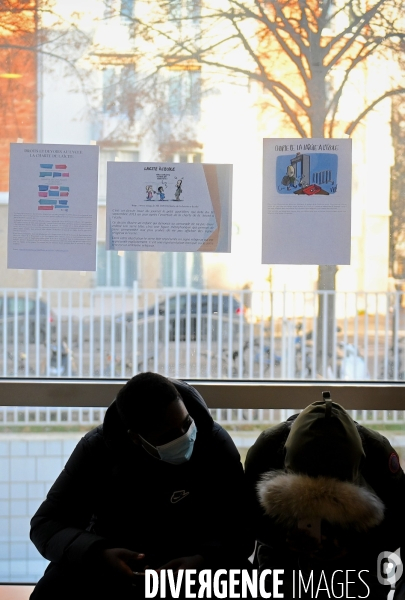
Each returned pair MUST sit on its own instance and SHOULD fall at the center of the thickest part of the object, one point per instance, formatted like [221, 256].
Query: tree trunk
[326, 273]
[326, 317]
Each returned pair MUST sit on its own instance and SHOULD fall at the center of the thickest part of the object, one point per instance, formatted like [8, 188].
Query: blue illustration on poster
[307, 174]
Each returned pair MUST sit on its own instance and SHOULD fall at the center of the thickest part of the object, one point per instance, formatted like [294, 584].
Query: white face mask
[177, 451]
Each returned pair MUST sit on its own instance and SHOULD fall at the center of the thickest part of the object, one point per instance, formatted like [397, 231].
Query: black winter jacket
[113, 494]
[380, 474]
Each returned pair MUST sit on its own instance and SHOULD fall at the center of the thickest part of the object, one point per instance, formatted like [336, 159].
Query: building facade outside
[204, 117]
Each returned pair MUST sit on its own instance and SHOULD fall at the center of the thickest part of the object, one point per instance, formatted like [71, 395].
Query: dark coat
[368, 514]
[112, 493]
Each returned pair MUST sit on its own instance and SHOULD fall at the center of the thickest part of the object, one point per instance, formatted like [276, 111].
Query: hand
[122, 562]
[185, 562]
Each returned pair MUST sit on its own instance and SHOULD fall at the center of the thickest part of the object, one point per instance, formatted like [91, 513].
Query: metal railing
[89, 417]
[203, 334]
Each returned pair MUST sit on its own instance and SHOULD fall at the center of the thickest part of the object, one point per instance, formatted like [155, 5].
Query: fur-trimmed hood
[289, 498]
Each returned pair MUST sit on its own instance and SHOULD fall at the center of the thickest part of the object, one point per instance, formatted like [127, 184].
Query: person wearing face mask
[158, 485]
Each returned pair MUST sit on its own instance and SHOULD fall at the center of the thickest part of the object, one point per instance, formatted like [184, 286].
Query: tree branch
[294, 35]
[290, 112]
[361, 116]
[338, 94]
[361, 21]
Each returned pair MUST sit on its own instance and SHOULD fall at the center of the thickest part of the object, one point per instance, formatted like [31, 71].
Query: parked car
[220, 306]
[16, 311]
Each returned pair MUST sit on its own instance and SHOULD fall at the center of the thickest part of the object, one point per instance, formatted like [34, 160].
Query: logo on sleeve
[393, 462]
[177, 496]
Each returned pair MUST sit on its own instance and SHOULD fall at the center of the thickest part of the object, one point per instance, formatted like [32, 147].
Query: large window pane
[35, 443]
[193, 82]
[191, 90]
[116, 331]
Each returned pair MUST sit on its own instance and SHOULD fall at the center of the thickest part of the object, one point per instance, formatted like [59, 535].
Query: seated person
[326, 494]
[158, 485]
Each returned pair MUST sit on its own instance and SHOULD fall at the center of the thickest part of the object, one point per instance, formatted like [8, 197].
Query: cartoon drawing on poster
[309, 174]
[171, 190]
[306, 201]
[161, 192]
[190, 212]
[53, 207]
[179, 189]
[149, 192]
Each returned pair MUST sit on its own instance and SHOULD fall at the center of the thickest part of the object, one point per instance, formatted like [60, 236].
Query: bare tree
[304, 53]
[294, 48]
[397, 205]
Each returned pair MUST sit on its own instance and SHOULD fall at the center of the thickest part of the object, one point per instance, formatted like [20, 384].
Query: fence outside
[48, 417]
[203, 334]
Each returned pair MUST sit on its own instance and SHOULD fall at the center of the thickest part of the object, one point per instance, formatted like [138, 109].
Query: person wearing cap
[326, 494]
[157, 485]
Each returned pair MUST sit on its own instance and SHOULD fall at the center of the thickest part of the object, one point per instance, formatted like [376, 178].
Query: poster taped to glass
[52, 220]
[176, 207]
[306, 201]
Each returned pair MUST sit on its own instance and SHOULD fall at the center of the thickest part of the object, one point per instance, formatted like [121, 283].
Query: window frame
[217, 394]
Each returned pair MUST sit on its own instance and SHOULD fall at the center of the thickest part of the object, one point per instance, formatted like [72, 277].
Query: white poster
[52, 220]
[306, 201]
[177, 207]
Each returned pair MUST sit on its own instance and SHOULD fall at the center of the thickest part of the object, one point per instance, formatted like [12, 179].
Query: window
[216, 117]
[189, 10]
[174, 269]
[127, 9]
[119, 93]
[180, 269]
[31, 460]
[175, 94]
[105, 156]
[185, 93]
[111, 155]
[184, 157]
[109, 89]
[193, 8]
[175, 9]
[179, 88]
[116, 269]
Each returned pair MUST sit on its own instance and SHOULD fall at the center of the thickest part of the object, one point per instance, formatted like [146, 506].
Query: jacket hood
[115, 429]
[324, 441]
[289, 498]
